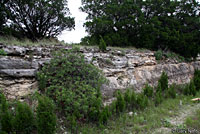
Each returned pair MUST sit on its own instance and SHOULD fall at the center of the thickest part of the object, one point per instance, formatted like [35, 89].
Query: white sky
[75, 36]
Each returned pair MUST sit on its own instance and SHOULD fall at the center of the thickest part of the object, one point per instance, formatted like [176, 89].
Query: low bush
[18, 117]
[3, 132]
[2, 52]
[127, 98]
[6, 117]
[192, 88]
[133, 102]
[142, 101]
[24, 119]
[120, 102]
[104, 115]
[163, 81]
[186, 90]
[46, 117]
[171, 93]
[73, 84]
[148, 91]
[102, 44]
[197, 79]
[159, 55]
[158, 98]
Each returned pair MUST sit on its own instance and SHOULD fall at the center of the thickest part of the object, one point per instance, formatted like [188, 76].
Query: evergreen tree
[153, 24]
[3, 15]
[46, 118]
[37, 19]
[24, 119]
[6, 117]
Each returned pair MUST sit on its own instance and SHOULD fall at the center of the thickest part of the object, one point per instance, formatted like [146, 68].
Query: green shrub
[102, 44]
[186, 90]
[3, 132]
[158, 88]
[113, 107]
[171, 91]
[73, 84]
[192, 88]
[104, 115]
[120, 103]
[46, 118]
[6, 117]
[73, 123]
[133, 102]
[2, 98]
[163, 81]
[197, 79]
[127, 98]
[159, 55]
[158, 95]
[148, 90]
[24, 119]
[142, 101]
[2, 52]
[158, 98]
[94, 110]
[42, 81]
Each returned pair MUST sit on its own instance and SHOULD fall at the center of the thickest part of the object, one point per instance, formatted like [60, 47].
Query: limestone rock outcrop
[122, 67]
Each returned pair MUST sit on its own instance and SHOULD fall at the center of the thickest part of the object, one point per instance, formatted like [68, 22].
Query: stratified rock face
[17, 88]
[123, 68]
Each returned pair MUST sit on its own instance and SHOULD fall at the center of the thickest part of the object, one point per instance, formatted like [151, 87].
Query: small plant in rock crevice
[2, 52]
[159, 55]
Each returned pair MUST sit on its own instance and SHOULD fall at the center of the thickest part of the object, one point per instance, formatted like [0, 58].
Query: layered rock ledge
[122, 67]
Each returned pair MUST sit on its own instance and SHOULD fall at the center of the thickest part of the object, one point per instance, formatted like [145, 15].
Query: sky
[75, 36]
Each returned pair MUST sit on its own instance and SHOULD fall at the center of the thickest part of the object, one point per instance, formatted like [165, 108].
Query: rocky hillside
[122, 67]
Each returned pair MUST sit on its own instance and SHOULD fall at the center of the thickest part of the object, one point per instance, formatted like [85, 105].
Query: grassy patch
[26, 42]
[161, 55]
[193, 122]
[141, 122]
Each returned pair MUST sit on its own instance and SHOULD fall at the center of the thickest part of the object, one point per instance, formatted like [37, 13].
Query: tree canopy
[152, 24]
[3, 15]
[37, 19]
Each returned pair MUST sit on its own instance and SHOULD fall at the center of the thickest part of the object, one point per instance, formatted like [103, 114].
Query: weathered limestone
[17, 88]
[123, 68]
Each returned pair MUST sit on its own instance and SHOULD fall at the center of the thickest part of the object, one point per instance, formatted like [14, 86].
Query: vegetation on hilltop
[153, 24]
[35, 19]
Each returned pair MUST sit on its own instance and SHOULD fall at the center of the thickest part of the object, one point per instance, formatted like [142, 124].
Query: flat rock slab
[18, 72]
[13, 63]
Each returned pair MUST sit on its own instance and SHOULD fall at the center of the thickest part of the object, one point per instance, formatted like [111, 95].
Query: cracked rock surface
[122, 67]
